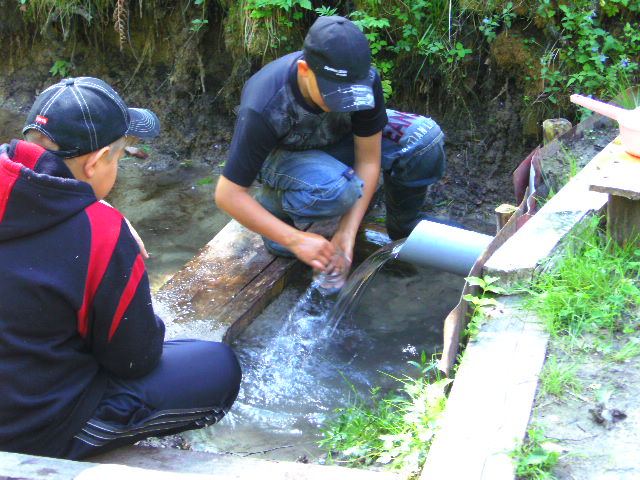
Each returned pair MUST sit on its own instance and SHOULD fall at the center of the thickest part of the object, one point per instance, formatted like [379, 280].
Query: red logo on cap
[41, 119]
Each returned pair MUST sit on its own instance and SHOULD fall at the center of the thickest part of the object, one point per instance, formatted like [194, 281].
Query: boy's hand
[313, 249]
[344, 242]
[136, 237]
[143, 251]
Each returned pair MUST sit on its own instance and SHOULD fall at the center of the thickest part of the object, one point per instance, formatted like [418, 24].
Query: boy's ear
[91, 162]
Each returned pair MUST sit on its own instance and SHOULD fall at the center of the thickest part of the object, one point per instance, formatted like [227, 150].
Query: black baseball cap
[339, 56]
[84, 114]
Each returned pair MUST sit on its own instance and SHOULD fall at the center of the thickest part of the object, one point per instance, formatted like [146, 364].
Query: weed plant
[394, 429]
[593, 288]
[480, 301]
[534, 460]
[565, 47]
[558, 377]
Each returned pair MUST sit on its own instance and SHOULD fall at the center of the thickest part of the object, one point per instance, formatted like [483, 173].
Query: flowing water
[350, 295]
[307, 354]
[301, 361]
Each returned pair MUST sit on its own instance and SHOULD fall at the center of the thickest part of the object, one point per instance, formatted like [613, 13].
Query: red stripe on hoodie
[106, 223]
[129, 291]
[9, 173]
[28, 154]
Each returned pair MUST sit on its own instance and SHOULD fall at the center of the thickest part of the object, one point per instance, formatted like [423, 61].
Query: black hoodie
[75, 305]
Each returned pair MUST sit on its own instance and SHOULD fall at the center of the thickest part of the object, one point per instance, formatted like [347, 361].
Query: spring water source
[309, 354]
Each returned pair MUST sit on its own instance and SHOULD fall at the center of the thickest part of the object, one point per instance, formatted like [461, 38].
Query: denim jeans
[315, 185]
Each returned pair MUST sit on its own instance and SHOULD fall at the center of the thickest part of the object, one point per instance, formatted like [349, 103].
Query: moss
[511, 54]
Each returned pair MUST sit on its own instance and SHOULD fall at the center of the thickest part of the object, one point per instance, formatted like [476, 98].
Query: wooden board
[489, 406]
[233, 278]
[619, 175]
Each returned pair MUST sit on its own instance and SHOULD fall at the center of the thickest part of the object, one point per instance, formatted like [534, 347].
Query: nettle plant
[407, 35]
[416, 31]
[597, 50]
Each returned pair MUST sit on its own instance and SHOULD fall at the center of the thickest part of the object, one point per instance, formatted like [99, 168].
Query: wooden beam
[489, 406]
[233, 278]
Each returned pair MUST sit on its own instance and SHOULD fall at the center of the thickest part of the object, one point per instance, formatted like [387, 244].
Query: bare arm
[367, 166]
[236, 201]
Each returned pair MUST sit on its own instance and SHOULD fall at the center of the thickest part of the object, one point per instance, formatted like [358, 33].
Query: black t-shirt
[274, 114]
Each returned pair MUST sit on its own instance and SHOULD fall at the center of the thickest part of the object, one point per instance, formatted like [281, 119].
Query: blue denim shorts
[321, 184]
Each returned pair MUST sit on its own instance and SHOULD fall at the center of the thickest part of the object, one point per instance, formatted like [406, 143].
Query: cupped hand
[313, 249]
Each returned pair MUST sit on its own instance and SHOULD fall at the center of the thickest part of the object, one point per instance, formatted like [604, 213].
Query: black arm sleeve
[253, 140]
[369, 122]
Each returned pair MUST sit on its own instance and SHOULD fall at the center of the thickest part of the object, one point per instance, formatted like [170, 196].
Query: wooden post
[553, 128]
[623, 220]
[503, 214]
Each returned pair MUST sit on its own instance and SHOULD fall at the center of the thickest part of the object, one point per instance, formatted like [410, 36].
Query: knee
[221, 382]
[417, 158]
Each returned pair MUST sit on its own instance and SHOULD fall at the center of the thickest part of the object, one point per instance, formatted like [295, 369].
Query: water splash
[312, 320]
[297, 370]
[351, 293]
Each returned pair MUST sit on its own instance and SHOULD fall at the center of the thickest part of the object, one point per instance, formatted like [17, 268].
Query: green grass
[534, 459]
[628, 351]
[394, 429]
[593, 288]
[558, 377]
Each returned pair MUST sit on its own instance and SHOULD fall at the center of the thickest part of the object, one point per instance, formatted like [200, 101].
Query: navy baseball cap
[84, 114]
[339, 56]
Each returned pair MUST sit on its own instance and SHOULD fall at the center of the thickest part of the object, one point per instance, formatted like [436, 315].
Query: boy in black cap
[83, 361]
[313, 128]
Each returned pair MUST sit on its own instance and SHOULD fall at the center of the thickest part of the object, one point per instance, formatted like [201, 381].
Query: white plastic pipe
[444, 247]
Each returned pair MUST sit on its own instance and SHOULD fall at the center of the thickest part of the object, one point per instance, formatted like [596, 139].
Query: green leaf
[205, 181]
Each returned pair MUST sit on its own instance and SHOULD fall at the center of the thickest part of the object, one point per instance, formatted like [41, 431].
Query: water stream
[351, 293]
[308, 354]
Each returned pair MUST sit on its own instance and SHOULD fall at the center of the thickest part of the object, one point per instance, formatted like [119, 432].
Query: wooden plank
[223, 267]
[170, 464]
[619, 175]
[234, 278]
[247, 304]
[235, 466]
[490, 403]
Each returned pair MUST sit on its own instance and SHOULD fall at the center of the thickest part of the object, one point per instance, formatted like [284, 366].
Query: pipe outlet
[444, 247]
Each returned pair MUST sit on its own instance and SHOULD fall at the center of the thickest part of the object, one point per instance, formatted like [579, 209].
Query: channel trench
[275, 272]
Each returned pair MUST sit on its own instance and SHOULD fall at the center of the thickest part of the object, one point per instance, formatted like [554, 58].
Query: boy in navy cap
[313, 128]
[83, 363]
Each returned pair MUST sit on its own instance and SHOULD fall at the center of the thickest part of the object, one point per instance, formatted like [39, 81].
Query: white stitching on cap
[146, 125]
[93, 127]
[48, 103]
[117, 100]
[89, 127]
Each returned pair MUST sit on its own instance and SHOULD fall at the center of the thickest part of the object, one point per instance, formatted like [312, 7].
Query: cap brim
[143, 123]
[348, 97]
